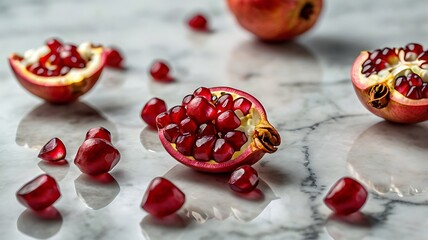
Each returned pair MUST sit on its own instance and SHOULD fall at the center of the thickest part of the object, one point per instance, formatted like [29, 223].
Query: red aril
[54, 150]
[198, 22]
[114, 58]
[162, 120]
[151, 110]
[160, 71]
[346, 196]
[99, 132]
[221, 141]
[390, 83]
[162, 198]
[177, 114]
[244, 179]
[96, 156]
[39, 193]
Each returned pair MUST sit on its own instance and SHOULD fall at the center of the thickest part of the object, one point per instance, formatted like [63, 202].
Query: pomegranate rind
[248, 156]
[58, 89]
[399, 109]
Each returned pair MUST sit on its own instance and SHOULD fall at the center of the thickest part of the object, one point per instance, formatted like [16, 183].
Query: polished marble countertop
[304, 85]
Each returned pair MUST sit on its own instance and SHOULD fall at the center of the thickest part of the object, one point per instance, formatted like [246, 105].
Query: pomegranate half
[393, 82]
[57, 72]
[217, 130]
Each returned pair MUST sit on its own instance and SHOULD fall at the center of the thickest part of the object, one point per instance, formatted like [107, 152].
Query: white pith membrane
[92, 56]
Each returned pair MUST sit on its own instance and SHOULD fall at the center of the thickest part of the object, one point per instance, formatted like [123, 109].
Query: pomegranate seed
[114, 58]
[177, 113]
[198, 22]
[414, 48]
[206, 129]
[402, 85]
[244, 179]
[96, 156]
[203, 92]
[236, 139]
[54, 44]
[53, 150]
[242, 104]
[389, 55]
[200, 110]
[187, 125]
[380, 64]
[424, 56]
[160, 71]
[151, 110]
[53, 73]
[171, 132]
[187, 99]
[224, 103]
[414, 80]
[162, 120]
[51, 58]
[424, 90]
[39, 193]
[185, 143]
[204, 148]
[99, 132]
[162, 198]
[346, 196]
[227, 121]
[72, 60]
[414, 93]
[222, 151]
[64, 70]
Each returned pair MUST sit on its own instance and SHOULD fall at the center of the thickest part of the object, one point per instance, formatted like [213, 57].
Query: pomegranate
[231, 130]
[393, 82]
[57, 72]
[346, 196]
[160, 71]
[276, 20]
[151, 110]
[244, 179]
[54, 150]
[198, 22]
[114, 58]
[39, 193]
[99, 132]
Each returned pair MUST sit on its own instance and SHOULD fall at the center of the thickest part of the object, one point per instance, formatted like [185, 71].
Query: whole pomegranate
[276, 20]
[393, 82]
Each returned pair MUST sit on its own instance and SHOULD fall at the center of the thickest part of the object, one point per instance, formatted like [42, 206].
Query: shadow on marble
[170, 227]
[57, 170]
[40, 225]
[349, 227]
[96, 192]
[150, 140]
[113, 78]
[67, 122]
[208, 196]
[391, 160]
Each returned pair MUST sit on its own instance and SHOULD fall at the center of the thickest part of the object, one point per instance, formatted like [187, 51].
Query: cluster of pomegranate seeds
[99, 132]
[162, 198]
[412, 86]
[204, 126]
[378, 60]
[346, 196]
[244, 179]
[39, 193]
[160, 71]
[151, 110]
[59, 61]
[198, 22]
[114, 58]
[54, 150]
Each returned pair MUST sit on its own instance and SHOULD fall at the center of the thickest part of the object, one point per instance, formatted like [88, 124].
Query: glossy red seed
[39, 193]
[222, 151]
[204, 148]
[415, 48]
[98, 132]
[224, 103]
[177, 113]
[151, 110]
[185, 144]
[51, 58]
[162, 198]
[162, 120]
[242, 104]
[203, 92]
[53, 150]
[96, 156]
[414, 93]
[424, 90]
[70, 57]
[198, 22]
[244, 179]
[346, 196]
[389, 55]
[227, 121]
[114, 58]
[187, 99]
[160, 71]
[236, 139]
[424, 56]
[64, 70]
[200, 110]
[414, 80]
[206, 129]
[171, 132]
[375, 54]
[402, 85]
[53, 44]
[187, 125]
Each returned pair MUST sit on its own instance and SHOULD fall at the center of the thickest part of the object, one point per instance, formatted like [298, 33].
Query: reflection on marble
[349, 227]
[57, 170]
[376, 159]
[170, 227]
[96, 192]
[40, 225]
[150, 140]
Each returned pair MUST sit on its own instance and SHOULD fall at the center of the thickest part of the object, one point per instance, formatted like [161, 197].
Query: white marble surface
[304, 86]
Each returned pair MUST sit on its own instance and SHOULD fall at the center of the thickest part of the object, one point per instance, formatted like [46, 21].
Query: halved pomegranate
[393, 82]
[231, 130]
[57, 72]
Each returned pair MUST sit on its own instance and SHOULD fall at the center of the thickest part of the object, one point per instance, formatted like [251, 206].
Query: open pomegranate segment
[231, 130]
[393, 82]
[59, 72]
